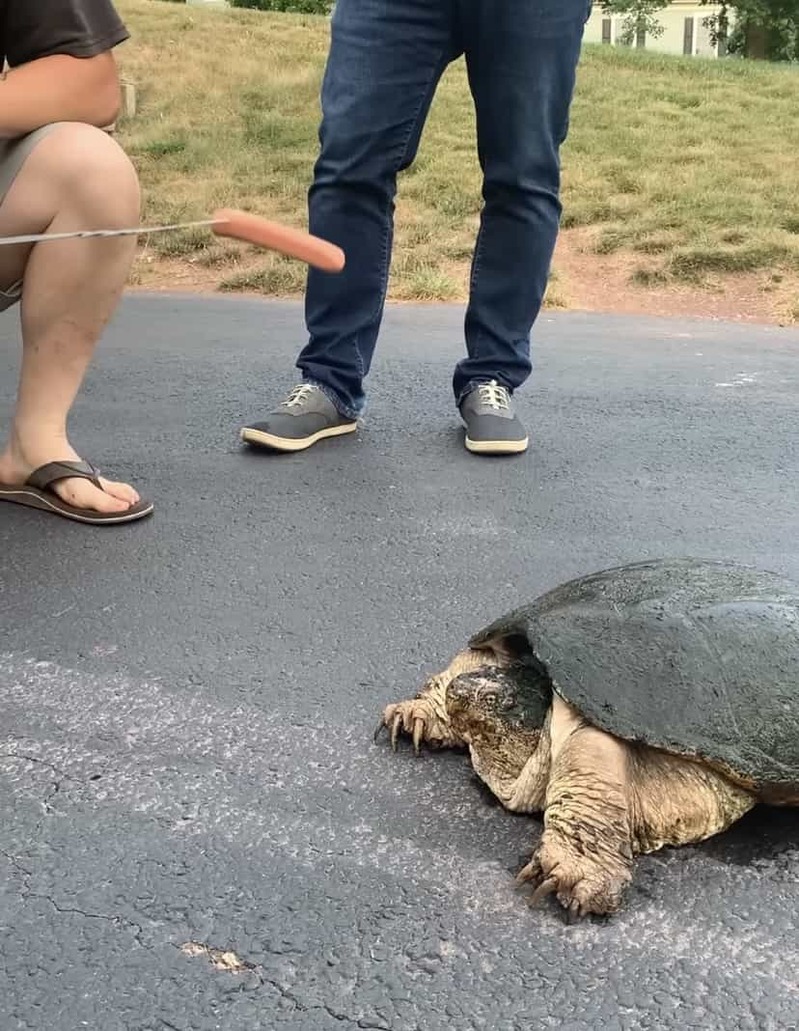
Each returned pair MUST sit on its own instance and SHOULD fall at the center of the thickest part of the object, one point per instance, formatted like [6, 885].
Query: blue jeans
[385, 61]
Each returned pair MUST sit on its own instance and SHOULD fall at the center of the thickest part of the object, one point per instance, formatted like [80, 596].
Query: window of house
[688, 36]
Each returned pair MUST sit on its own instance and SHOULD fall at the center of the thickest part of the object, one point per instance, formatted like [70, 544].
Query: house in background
[683, 23]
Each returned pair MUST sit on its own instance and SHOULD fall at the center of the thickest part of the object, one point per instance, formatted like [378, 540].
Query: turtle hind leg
[424, 717]
[679, 801]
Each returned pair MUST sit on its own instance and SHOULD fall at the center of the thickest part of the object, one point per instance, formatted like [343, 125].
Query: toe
[574, 910]
[418, 734]
[121, 491]
[396, 726]
[83, 494]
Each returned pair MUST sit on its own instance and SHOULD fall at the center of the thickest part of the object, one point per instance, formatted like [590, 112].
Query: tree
[639, 20]
[766, 30]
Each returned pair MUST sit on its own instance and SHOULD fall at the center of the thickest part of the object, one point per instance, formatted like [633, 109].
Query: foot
[492, 426]
[583, 880]
[423, 718]
[17, 463]
[306, 416]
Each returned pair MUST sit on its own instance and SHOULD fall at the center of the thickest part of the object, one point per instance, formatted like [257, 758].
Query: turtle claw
[581, 884]
[573, 908]
[574, 912]
[534, 874]
[394, 720]
[546, 887]
[418, 718]
[531, 872]
[396, 726]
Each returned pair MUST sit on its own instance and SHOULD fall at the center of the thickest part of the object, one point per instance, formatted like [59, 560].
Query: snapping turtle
[645, 705]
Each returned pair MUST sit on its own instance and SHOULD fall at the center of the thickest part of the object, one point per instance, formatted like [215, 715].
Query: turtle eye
[490, 697]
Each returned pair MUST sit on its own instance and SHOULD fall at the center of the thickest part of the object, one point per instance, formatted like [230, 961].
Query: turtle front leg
[424, 717]
[585, 854]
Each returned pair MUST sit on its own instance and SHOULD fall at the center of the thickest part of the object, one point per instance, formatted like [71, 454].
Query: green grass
[689, 159]
[686, 162]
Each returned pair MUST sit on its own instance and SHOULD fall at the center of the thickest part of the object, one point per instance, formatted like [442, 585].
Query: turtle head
[500, 711]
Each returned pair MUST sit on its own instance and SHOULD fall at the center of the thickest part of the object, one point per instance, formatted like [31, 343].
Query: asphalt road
[187, 704]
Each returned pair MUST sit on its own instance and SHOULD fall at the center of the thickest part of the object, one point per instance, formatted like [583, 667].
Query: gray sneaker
[492, 426]
[306, 416]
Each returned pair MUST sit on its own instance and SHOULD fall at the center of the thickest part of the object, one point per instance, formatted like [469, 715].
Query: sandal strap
[43, 477]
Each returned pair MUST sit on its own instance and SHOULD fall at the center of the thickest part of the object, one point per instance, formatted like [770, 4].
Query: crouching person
[60, 172]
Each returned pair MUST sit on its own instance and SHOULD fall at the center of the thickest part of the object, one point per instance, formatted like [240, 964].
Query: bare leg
[425, 715]
[607, 801]
[77, 177]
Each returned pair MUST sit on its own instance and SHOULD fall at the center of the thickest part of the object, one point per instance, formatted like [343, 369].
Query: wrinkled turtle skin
[639, 707]
[695, 657]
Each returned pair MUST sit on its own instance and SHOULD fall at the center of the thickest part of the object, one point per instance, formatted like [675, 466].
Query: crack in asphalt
[285, 993]
[138, 931]
[55, 787]
[116, 920]
[27, 894]
[35, 759]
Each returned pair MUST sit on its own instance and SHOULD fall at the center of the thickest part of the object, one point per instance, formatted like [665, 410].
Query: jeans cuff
[342, 409]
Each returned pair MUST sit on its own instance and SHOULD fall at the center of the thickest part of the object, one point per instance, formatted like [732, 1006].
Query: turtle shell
[699, 658]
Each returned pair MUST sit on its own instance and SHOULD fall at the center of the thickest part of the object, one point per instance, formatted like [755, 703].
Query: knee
[92, 174]
[348, 159]
[360, 143]
[522, 182]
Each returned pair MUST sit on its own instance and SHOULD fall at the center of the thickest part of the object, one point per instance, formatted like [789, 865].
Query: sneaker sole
[294, 443]
[497, 447]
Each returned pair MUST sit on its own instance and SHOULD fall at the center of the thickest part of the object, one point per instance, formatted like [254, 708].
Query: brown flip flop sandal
[37, 492]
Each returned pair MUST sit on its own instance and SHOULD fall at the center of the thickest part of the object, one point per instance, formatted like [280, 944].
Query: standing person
[385, 61]
[59, 171]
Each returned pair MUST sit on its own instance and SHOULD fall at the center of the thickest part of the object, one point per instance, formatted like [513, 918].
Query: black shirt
[30, 29]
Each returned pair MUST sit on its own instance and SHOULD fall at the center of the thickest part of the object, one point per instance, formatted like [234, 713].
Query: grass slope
[687, 165]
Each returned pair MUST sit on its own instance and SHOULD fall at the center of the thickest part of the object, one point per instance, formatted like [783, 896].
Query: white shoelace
[298, 395]
[494, 395]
